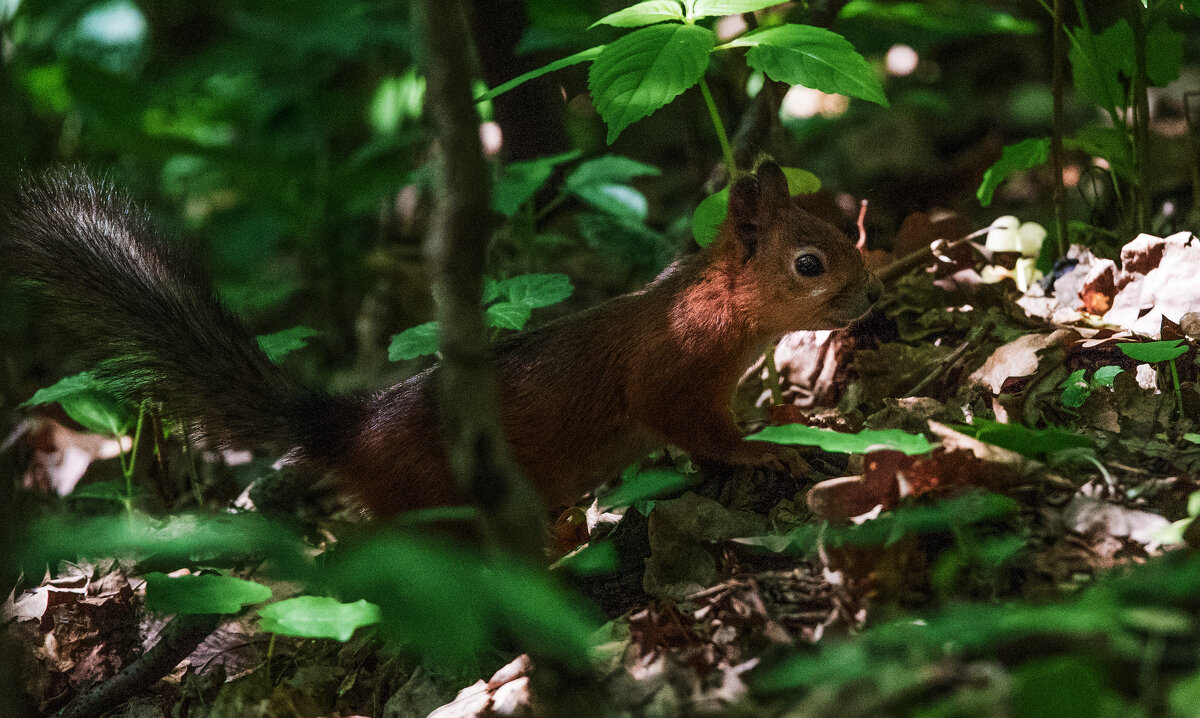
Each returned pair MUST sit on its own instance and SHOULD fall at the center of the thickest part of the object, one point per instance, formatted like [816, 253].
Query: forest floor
[1029, 554]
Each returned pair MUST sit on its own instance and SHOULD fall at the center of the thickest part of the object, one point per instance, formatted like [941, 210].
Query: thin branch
[460, 225]
[920, 257]
[179, 639]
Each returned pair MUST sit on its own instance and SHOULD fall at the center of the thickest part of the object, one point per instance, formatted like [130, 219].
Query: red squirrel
[582, 396]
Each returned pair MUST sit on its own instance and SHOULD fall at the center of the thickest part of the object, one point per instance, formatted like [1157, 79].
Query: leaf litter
[1061, 463]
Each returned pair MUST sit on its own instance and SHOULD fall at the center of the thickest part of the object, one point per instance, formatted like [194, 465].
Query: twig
[460, 226]
[982, 331]
[179, 639]
[906, 264]
[862, 227]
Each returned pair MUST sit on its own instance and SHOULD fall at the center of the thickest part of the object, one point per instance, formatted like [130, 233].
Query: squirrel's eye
[809, 265]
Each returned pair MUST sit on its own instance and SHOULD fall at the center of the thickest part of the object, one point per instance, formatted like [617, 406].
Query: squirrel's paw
[775, 458]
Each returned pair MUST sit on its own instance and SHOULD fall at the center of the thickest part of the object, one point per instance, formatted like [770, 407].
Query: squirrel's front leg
[709, 435]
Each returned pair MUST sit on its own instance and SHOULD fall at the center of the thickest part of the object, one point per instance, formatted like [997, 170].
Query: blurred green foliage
[288, 141]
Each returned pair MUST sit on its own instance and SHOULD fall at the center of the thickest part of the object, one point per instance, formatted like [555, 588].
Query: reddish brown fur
[583, 396]
[588, 394]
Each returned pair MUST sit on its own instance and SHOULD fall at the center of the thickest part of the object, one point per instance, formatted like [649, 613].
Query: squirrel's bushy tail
[149, 313]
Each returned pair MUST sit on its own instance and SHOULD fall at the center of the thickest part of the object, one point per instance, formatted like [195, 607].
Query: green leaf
[452, 605]
[945, 19]
[175, 541]
[508, 315]
[1097, 62]
[625, 238]
[813, 57]
[534, 290]
[67, 386]
[1105, 375]
[1075, 389]
[397, 100]
[602, 183]
[618, 199]
[1107, 142]
[519, 181]
[208, 593]
[711, 8]
[592, 559]
[645, 484]
[100, 412]
[1024, 155]
[946, 515]
[1192, 6]
[609, 169]
[111, 491]
[414, 342]
[646, 69]
[643, 13]
[1151, 352]
[87, 401]
[1034, 443]
[801, 181]
[1158, 620]
[711, 211]
[841, 442]
[318, 617]
[1184, 694]
[575, 59]
[709, 214]
[1164, 54]
[1062, 686]
[278, 345]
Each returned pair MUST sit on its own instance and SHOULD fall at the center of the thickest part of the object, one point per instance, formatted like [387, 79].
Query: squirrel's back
[582, 397]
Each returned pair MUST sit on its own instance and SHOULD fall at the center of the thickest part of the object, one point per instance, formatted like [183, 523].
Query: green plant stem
[731, 170]
[1141, 119]
[127, 467]
[549, 207]
[726, 148]
[1178, 389]
[1056, 135]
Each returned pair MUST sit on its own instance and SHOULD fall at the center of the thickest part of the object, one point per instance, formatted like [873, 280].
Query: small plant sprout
[92, 403]
[1076, 388]
[1152, 352]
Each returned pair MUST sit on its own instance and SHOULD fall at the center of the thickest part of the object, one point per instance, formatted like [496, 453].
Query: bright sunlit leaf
[207, 593]
[318, 617]
[837, 441]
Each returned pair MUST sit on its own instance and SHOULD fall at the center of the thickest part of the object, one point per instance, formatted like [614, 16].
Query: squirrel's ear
[773, 183]
[752, 200]
[744, 200]
[757, 194]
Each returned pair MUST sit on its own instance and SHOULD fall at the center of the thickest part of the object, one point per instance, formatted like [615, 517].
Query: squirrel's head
[799, 271]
